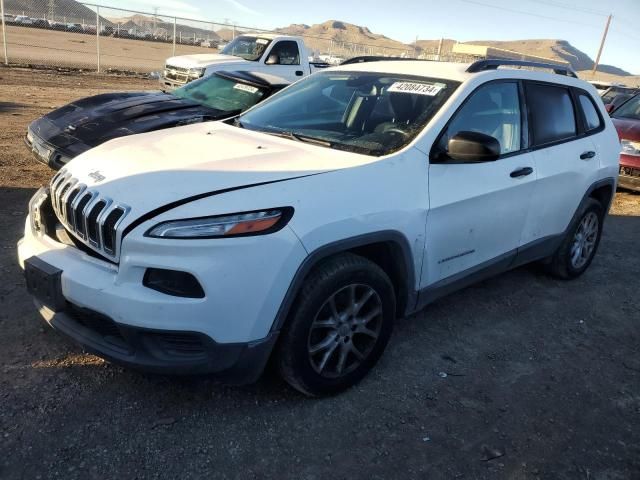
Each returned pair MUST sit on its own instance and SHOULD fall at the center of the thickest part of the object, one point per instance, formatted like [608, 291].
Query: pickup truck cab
[280, 55]
[301, 229]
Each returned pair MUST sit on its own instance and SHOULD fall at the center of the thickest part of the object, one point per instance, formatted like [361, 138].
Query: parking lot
[521, 376]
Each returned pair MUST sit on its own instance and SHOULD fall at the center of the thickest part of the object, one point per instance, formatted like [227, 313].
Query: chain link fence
[70, 34]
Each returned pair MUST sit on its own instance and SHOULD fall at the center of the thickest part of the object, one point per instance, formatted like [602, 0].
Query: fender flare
[314, 258]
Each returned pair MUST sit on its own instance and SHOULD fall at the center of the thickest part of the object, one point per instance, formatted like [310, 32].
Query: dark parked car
[627, 122]
[77, 127]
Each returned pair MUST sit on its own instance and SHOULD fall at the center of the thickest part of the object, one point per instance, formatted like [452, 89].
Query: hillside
[341, 38]
[555, 49]
[159, 27]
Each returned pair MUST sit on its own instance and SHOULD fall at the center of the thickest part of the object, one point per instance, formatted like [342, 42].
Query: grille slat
[92, 218]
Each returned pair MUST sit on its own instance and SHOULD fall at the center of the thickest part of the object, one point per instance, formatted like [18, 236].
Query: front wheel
[339, 326]
[580, 243]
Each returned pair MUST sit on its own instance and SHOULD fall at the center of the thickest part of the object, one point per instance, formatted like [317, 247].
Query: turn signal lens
[241, 224]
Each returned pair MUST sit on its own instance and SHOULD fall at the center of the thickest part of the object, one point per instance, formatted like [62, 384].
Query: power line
[498, 7]
[572, 7]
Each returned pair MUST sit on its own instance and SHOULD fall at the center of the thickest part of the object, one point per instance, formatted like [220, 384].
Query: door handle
[587, 155]
[299, 73]
[522, 172]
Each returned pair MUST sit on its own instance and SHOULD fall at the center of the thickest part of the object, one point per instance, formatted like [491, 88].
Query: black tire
[335, 279]
[560, 264]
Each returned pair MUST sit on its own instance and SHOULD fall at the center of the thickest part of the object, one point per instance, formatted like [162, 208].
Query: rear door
[566, 157]
[478, 209]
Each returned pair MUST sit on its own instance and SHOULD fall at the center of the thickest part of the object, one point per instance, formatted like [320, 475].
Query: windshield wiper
[237, 122]
[301, 138]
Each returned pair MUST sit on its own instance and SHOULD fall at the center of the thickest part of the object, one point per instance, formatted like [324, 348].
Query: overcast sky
[462, 20]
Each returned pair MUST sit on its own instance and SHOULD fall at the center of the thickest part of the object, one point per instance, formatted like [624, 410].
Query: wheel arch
[388, 249]
[603, 191]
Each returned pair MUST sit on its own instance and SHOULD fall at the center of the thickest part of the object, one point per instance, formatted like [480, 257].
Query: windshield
[221, 93]
[249, 48]
[370, 113]
[630, 109]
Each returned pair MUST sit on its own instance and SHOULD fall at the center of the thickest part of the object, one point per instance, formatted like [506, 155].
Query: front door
[284, 61]
[478, 209]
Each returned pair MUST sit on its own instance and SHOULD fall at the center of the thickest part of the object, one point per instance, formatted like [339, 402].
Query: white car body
[450, 223]
[176, 71]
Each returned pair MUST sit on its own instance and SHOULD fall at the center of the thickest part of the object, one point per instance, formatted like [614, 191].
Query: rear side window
[552, 116]
[591, 116]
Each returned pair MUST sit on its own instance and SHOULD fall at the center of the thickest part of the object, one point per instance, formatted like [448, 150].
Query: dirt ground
[541, 374]
[50, 47]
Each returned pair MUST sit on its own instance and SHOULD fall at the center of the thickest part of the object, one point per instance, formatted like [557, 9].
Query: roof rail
[377, 58]
[493, 64]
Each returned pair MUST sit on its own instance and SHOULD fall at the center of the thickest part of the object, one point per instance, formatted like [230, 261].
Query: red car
[626, 118]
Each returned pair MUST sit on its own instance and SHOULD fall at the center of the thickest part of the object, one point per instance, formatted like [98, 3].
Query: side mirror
[473, 147]
[272, 59]
[609, 107]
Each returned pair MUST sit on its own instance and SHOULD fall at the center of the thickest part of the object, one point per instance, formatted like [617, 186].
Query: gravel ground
[518, 377]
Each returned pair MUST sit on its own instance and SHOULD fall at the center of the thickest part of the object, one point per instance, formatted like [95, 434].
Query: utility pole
[155, 17]
[4, 33]
[604, 37]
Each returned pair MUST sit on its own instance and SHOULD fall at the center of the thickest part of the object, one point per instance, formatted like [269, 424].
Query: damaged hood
[201, 60]
[88, 122]
[152, 170]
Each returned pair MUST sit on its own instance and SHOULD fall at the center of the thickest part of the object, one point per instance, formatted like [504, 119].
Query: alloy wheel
[345, 330]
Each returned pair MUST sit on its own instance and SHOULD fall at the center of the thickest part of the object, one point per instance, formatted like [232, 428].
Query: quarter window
[590, 113]
[493, 109]
[552, 115]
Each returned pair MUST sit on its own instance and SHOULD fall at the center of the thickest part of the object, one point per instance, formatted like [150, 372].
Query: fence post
[4, 34]
[98, 35]
[174, 37]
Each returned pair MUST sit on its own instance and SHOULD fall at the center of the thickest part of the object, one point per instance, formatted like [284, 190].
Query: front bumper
[160, 351]
[629, 175]
[231, 326]
[169, 84]
[44, 152]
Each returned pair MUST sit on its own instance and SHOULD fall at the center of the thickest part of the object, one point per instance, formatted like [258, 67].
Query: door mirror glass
[466, 146]
[272, 59]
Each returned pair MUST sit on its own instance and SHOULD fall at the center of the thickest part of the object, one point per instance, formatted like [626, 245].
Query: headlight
[630, 148]
[196, 72]
[236, 225]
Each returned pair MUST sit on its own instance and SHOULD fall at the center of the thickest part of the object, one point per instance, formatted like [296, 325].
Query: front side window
[590, 113]
[630, 109]
[494, 110]
[221, 93]
[247, 47]
[286, 53]
[552, 115]
[369, 113]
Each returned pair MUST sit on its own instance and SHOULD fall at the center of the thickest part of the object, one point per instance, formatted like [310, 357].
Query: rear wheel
[339, 326]
[580, 244]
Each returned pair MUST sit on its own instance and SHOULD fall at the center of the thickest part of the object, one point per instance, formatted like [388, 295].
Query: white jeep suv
[299, 231]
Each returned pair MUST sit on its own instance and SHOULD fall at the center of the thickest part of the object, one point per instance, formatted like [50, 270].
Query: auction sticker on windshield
[430, 89]
[245, 88]
[262, 41]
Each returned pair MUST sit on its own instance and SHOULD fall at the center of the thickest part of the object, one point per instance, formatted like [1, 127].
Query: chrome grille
[91, 217]
[177, 74]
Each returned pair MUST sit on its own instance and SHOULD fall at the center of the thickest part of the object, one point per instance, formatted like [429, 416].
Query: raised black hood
[86, 123]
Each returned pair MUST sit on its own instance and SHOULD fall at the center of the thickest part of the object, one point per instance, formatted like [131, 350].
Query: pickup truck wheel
[339, 326]
[580, 244]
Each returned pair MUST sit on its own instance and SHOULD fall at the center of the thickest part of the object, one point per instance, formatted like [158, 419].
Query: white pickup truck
[282, 55]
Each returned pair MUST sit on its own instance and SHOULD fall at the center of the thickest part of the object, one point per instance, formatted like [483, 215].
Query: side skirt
[531, 252]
